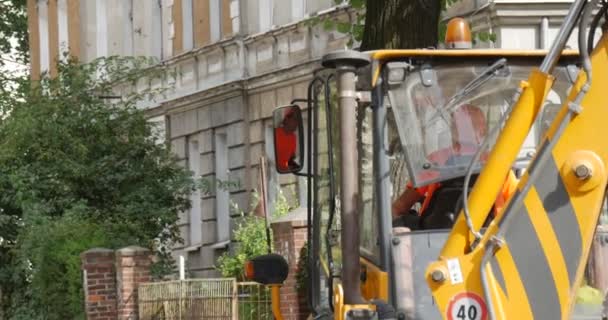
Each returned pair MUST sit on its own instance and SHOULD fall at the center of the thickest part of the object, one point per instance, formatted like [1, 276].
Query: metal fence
[219, 299]
[253, 301]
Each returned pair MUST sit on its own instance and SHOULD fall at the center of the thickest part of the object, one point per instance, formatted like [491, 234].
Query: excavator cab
[377, 121]
[441, 110]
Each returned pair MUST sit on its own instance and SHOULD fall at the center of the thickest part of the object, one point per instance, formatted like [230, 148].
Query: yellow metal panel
[275, 292]
[535, 272]
[549, 242]
[375, 285]
[396, 54]
[505, 151]
[513, 300]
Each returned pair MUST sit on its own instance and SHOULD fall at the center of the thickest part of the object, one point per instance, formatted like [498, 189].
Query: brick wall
[111, 280]
[289, 238]
[99, 284]
[132, 268]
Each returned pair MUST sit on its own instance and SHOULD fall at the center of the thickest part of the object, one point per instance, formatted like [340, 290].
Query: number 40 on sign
[467, 306]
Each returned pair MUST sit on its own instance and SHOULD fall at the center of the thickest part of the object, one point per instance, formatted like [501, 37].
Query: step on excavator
[462, 128]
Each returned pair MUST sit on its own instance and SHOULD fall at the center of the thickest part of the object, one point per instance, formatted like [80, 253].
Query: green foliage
[251, 239]
[79, 170]
[208, 186]
[57, 243]
[355, 29]
[484, 36]
[13, 32]
[251, 236]
[302, 276]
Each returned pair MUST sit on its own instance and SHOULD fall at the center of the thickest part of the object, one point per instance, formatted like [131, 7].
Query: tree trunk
[401, 24]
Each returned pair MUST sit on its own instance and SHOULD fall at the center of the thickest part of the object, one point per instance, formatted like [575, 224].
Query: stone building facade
[235, 61]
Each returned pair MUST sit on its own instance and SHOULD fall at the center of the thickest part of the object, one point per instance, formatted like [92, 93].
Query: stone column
[99, 284]
[132, 268]
[289, 235]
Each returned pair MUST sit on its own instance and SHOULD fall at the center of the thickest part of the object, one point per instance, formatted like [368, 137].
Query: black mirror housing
[268, 269]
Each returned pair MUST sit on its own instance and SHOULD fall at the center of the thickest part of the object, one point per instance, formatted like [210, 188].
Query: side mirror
[288, 139]
[268, 269]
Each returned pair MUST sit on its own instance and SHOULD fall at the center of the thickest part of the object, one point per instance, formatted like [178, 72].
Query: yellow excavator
[376, 124]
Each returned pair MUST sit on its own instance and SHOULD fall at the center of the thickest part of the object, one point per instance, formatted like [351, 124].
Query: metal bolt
[582, 172]
[396, 241]
[438, 275]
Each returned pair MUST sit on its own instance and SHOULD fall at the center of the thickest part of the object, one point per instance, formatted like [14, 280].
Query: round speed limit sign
[467, 306]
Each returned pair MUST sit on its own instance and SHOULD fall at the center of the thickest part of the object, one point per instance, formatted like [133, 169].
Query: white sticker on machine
[455, 271]
[467, 306]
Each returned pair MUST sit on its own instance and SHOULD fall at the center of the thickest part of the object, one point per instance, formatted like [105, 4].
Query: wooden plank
[226, 20]
[53, 37]
[178, 28]
[202, 31]
[34, 39]
[74, 28]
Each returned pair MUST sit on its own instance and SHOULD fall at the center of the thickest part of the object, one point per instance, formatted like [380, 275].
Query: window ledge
[220, 245]
[192, 248]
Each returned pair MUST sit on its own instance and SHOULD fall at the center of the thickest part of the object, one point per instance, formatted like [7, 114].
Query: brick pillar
[132, 268]
[289, 235]
[99, 284]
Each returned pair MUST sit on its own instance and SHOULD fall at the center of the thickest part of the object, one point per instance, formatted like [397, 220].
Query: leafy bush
[251, 239]
[251, 236]
[79, 170]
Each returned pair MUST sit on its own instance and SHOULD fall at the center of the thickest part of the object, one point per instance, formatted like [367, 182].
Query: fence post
[133, 267]
[235, 297]
[289, 237]
[99, 282]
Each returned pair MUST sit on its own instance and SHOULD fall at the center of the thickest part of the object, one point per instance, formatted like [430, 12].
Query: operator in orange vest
[468, 129]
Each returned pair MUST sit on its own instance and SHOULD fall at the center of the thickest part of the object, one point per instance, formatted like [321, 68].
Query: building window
[188, 35]
[265, 14]
[62, 21]
[215, 20]
[102, 28]
[194, 159]
[297, 9]
[157, 31]
[222, 195]
[272, 177]
[235, 13]
[43, 29]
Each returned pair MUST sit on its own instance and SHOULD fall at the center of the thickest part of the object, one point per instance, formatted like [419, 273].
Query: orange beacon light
[458, 34]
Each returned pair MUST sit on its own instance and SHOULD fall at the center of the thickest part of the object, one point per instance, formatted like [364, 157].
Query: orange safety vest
[504, 195]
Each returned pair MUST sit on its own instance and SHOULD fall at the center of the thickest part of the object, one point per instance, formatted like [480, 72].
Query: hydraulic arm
[529, 263]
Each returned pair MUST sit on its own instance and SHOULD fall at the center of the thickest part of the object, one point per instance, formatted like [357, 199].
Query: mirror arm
[294, 101]
[307, 175]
